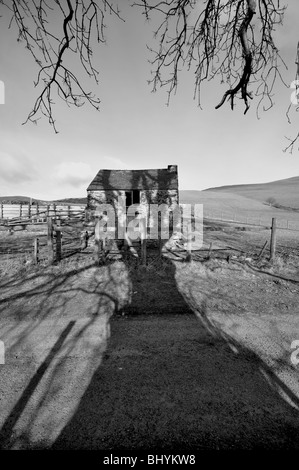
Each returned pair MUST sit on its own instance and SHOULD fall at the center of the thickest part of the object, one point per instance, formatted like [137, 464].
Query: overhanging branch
[247, 56]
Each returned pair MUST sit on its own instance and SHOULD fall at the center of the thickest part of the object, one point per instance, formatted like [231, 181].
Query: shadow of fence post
[273, 239]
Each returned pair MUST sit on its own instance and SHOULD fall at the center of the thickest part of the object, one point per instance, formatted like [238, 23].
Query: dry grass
[285, 192]
[230, 206]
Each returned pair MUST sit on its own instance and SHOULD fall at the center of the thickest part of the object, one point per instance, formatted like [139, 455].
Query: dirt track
[184, 358]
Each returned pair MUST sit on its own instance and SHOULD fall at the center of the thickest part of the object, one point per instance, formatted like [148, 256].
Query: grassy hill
[285, 192]
[26, 199]
[243, 203]
[225, 202]
[72, 200]
[230, 206]
[19, 200]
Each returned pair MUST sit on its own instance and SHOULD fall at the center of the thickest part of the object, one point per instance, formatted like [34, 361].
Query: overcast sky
[135, 128]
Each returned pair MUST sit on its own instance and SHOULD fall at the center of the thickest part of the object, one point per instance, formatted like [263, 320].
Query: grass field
[229, 206]
[285, 192]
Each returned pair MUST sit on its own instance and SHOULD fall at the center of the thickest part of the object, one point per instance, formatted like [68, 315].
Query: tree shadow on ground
[55, 326]
[171, 380]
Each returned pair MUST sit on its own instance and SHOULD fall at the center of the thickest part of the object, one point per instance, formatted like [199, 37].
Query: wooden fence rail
[10, 211]
[68, 227]
[56, 229]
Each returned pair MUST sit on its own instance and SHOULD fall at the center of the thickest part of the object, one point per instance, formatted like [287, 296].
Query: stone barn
[142, 187]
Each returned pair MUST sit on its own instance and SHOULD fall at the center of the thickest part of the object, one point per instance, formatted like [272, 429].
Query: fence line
[261, 222]
[11, 211]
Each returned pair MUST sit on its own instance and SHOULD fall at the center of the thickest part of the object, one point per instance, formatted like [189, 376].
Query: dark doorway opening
[132, 197]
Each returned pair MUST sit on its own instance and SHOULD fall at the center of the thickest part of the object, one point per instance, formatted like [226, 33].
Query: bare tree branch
[217, 38]
[290, 147]
[247, 55]
[229, 39]
[82, 25]
[294, 103]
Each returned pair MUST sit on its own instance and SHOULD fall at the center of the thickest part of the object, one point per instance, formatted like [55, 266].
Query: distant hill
[72, 200]
[285, 192]
[216, 201]
[226, 205]
[233, 198]
[19, 200]
[26, 199]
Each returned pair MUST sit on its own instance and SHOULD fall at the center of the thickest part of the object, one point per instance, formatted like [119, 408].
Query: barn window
[128, 198]
[136, 196]
[132, 197]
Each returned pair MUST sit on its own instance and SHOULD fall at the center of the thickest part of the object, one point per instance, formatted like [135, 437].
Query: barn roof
[164, 178]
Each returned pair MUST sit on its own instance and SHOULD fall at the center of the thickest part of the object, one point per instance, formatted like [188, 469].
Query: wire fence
[24, 238]
[72, 226]
[262, 222]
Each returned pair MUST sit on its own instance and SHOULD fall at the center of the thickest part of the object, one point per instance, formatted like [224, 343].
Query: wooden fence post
[273, 239]
[36, 250]
[58, 245]
[262, 250]
[50, 239]
[143, 241]
[160, 245]
[143, 251]
[85, 238]
[210, 249]
[143, 230]
[189, 235]
[101, 255]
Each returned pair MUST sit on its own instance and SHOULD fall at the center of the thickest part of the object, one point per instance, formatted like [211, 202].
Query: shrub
[271, 201]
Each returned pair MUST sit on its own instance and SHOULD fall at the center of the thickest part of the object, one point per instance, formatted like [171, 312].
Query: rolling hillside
[285, 192]
[216, 201]
[26, 199]
[19, 200]
[229, 206]
[243, 203]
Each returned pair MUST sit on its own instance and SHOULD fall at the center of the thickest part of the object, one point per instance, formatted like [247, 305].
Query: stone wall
[94, 198]
[147, 197]
[169, 197]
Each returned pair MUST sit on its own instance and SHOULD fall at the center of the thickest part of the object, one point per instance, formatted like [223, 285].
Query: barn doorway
[132, 197]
